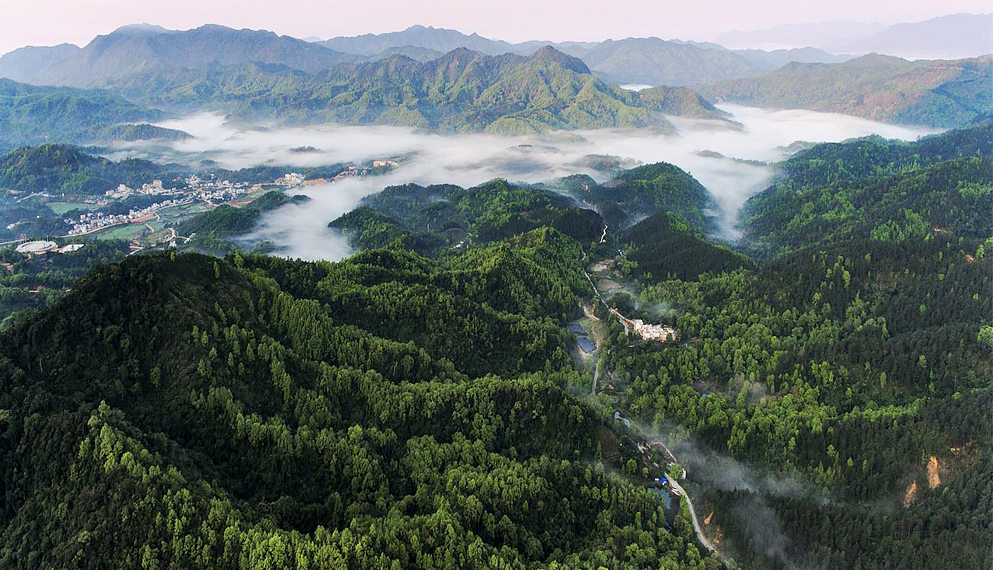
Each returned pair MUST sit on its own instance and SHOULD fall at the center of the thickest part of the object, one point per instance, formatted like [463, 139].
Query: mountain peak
[873, 59]
[550, 54]
[141, 29]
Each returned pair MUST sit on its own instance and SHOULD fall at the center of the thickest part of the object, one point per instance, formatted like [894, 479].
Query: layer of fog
[635, 86]
[759, 522]
[467, 160]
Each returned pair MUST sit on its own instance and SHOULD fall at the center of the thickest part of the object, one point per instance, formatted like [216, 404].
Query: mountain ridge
[879, 87]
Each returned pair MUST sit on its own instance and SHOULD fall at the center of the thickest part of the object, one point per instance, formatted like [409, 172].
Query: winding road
[697, 527]
[689, 502]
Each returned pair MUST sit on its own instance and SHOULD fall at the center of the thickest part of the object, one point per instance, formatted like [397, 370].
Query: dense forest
[184, 411]
[877, 189]
[33, 282]
[421, 404]
[433, 219]
[66, 169]
[856, 361]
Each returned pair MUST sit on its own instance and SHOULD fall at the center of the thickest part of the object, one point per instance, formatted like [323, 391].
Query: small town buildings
[653, 332]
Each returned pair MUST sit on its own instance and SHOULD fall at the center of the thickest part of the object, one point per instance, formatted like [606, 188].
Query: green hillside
[435, 218]
[468, 91]
[657, 62]
[878, 189]
[647, 190]
[663, 246]
[214, 413]
[142, 132]
[65, 169]
[403, 410]
[32, 115]
[228, 220]
[882, 88]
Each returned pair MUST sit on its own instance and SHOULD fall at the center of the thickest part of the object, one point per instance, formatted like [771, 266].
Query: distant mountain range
[449, 81]
[138, 49]
[651, 61]
[463, 91]
[470, 91]
[936, 93]
[117, 58]
[946, 37]
[437, 39]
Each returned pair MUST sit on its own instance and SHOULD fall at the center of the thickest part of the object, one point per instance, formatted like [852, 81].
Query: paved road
[689, 503]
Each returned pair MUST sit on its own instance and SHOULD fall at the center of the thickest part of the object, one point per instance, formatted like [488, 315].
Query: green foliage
[649, 189]
[878, 87]
[65, 169]
[886, 190]
[464, 91]
[665, 247]
[228, 220]
[201, 415]
[432, 218]
[31, 115]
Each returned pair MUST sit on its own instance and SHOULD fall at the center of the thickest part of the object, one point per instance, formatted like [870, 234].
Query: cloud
[471, 159]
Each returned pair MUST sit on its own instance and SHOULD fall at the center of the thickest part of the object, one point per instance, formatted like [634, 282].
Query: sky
[50, 22]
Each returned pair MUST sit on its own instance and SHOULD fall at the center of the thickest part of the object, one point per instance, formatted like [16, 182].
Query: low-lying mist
[467, 160]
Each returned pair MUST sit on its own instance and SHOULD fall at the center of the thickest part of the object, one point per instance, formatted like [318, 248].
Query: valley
[427, 299]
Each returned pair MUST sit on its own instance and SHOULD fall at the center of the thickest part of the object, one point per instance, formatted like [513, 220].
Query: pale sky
[49, 22]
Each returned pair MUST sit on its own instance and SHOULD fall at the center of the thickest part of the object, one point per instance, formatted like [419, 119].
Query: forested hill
[63, 168]
[876, 189]
[415, 405]
[856, 359]
[35, 115]
[435, 218]
[663, 246]
[377, 413]
[468, 91]
[882, 88]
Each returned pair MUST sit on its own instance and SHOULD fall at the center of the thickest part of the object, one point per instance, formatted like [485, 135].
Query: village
[208, 191]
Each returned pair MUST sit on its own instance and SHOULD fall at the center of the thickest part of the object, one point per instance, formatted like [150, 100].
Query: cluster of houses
[291, 179]
[654, 332]
[93, 221]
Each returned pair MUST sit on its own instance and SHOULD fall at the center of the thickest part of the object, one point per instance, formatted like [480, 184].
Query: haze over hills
[438, 39]
[130, 50]
[135, 49]
[936, 93]
[657, 62]
[946, 37]
[500, 345]
[632, 60]
[417, 410]
[403, 78]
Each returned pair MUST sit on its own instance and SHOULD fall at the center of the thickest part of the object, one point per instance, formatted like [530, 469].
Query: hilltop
[131, 50]
[32, 114]
[62, 168]
[882, 88]
[469, 91]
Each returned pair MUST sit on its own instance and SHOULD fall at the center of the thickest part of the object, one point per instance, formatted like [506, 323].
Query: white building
[653, 332]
